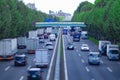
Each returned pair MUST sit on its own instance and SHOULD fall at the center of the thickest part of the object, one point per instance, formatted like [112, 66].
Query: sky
[67, 6]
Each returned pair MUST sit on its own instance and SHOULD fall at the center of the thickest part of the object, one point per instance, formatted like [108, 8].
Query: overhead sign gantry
[61, 24]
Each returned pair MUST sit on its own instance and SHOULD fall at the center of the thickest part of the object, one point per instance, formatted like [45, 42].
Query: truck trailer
[8, 48]
[113, 52]
[41, 58]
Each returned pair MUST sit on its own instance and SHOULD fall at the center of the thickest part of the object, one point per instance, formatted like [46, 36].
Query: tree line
[16, 19]
[102, 19]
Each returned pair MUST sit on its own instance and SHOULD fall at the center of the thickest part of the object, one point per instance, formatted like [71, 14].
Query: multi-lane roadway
[77, 65]
[79, 69]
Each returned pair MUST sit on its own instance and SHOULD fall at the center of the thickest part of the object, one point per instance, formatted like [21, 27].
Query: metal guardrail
[51, 71]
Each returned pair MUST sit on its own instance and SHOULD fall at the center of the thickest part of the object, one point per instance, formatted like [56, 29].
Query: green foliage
[16, 19]
[102, 19]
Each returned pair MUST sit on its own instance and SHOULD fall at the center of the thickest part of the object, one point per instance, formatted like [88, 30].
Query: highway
[10, 72]
[77, 65]
[79, 69]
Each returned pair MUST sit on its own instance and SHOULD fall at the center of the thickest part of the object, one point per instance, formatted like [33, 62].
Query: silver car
[84, 47]
[94, 58]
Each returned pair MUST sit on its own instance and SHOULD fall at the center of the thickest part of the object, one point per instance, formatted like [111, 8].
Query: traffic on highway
[84, 60]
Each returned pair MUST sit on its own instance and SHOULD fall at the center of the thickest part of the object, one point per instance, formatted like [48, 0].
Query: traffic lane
[76, 70]
[112, 67]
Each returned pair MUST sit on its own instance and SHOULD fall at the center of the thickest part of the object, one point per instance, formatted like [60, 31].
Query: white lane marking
[82, 61]
[101, 61]
[109, 69]
[28, 67]
[75, 47]
[76, 50]
[21, 78]
[79, 54]
[7, 68]
[92, 79]
[87, 69]
[43, 46]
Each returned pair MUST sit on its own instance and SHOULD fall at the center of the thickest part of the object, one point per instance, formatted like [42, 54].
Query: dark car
[34, 74]
[20, 60]
[70, 46]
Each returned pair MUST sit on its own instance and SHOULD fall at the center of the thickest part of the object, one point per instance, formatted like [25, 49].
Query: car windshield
[19, 58]
[94, 55]
[34, 72]
[114, 51]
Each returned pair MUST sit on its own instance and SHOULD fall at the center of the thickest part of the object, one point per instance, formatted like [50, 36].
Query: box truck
[32, 45]
[21, 42]
[32, 34]
[41, 57]
[8, 47]
[84, 35]
[49, 31]
[103, 46]
[113, 52]
[40, 32]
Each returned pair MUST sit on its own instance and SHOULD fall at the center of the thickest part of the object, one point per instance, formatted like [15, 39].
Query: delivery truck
[8, 48]
[113, 52]
[32, 34]
[32, 45]
[40, 32]
[84, 34]
[103, 46]
[41, 58]
[21, 42]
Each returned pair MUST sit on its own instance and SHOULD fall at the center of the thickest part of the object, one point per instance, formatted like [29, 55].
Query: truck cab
[113, 52]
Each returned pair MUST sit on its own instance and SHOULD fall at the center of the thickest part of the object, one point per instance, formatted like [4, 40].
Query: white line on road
[92, 79]
[82, 61]
[76, 50]
[87, 69]
[34, 59]
[7, 68]
[21, 78]
[109, 69]
[101, 61]
[79, 54]
[28, 67]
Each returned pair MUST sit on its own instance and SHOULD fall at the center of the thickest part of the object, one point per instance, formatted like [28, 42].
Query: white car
[84, 47]
[49, 45]
[94, 58]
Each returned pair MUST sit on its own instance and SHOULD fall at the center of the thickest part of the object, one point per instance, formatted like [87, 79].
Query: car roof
[34, 69]
[94, 53]
[84, 44]
[20, 55]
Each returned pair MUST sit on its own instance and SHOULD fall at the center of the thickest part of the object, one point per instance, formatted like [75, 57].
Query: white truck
[49, 31]
[52, 37]
[32, 34]
[84, 35]
[103, 46]
[41, 58]
[40, 31]
[21, 42]
[8, 47]
[113, 52]
[32, 45]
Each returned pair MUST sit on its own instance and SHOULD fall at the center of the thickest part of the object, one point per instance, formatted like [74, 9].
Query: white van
[52, 37]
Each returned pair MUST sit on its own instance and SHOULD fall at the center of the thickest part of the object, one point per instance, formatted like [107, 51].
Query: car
[70, 46]
[84, 47]
[94, 58]
[20, 60]
[41, 41]
[34, 74]
[49, 45]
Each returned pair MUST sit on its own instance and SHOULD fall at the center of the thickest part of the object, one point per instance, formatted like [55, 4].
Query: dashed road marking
[76, 50]
[7, 68]
[34, 59]
[87, 69]
[79, 54]
[109, 69]
[82, 61]
[21, 78]
[92, 79]
[101, 61]
[28, 67]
